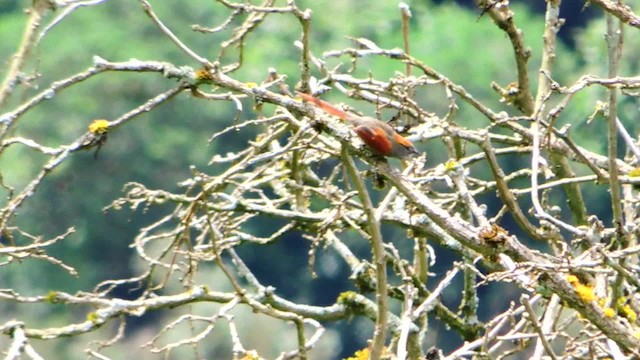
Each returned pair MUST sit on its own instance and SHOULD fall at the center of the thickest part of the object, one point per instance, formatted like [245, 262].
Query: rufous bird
[377, 135]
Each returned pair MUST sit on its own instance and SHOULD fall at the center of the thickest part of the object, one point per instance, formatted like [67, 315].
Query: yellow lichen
[203, 75]
[621, 301]
[629, 313]
[360, 355]
[585, 292]
[363, 354]
[93, 317]
[493, 233]
[346, 297]
[572, 279]
[251, 355]
[609, 312]
[634, 172]
[450, 165]
[52, 297]
[99, 126]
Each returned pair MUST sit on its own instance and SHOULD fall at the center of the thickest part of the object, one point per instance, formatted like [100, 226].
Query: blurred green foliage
[157, 148]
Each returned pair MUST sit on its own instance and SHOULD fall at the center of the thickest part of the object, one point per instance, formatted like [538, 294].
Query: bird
[379, 136]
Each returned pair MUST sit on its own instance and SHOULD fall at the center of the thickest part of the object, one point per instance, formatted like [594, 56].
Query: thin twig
[378, 258]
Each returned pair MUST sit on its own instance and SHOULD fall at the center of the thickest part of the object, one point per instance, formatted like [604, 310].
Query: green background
[157, 148]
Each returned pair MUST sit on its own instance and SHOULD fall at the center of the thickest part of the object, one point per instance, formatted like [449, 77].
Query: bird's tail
[328, 108]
